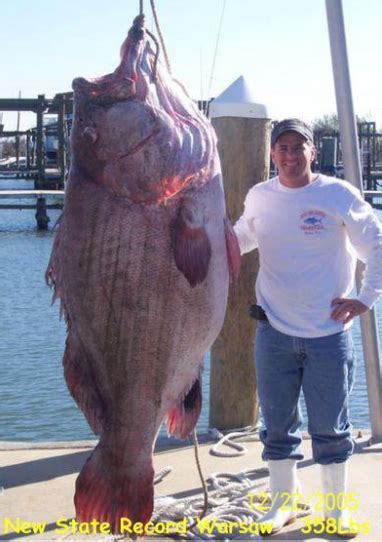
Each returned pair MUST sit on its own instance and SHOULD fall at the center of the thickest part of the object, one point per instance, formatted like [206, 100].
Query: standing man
[309, 230]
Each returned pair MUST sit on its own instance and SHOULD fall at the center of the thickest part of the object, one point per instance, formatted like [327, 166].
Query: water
[35, 403]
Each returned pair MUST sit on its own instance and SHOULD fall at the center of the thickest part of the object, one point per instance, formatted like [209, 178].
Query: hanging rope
[160, 35]
[141, 7]
[204, 485]
[216, 51]
[157, 49]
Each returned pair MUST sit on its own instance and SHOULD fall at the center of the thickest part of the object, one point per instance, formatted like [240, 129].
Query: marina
[40, 150]
[21, 195]
[145, 259]
[47, 153]
[44, 432]
[33, 340]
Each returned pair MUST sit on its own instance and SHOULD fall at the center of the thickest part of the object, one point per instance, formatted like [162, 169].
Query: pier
[31, 194]
[330, 153]
[40, 204]
[37, 158]
[47, 158]
[374, 197]
[39, 484]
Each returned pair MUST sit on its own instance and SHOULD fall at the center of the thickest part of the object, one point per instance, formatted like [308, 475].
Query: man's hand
[346, 309]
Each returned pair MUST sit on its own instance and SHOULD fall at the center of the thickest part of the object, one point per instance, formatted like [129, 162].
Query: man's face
[293, 156]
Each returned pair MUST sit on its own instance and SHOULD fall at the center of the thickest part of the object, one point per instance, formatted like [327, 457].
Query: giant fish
[141, 264]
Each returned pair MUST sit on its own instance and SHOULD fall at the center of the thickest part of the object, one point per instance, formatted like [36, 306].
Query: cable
[160, 35]
[216, 51]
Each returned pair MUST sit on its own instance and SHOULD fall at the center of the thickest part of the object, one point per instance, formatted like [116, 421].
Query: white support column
[353, 173]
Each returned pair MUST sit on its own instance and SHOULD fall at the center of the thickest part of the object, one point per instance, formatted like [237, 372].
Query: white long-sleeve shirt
[309, 239]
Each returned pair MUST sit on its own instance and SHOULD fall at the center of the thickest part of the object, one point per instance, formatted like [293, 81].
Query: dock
[54, 199]
[41, 205]
[39, 482]
[374, 197]
[21, 195]
[37, 157]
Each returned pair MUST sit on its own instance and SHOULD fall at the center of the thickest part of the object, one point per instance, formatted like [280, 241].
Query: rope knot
[139, 21]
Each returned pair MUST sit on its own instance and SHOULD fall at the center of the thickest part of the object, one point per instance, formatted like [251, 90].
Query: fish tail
[182, 418]
[107, 493]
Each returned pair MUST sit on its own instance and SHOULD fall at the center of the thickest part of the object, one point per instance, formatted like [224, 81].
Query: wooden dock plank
[31, 193]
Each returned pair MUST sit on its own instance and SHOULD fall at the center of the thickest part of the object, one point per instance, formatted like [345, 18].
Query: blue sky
[281, 48]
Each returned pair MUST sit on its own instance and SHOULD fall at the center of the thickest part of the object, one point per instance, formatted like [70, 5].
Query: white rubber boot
[334, 482]
[283, 488]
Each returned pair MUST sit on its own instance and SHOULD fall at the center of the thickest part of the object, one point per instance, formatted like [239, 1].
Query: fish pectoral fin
[233, 249]
[192, 246]
[81, 384]
[182, 418]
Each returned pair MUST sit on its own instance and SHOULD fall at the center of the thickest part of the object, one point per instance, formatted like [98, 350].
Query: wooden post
[61, 139]
[33, 153]
[40, 144]
[27, 150]
[17, 150]
[17, 144]
[41, 214]
[244, 149]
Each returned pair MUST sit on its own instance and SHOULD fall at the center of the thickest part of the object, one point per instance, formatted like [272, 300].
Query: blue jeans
[324, 368]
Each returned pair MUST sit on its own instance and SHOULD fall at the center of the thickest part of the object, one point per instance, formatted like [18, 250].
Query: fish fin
[105, 493]
[182, 418]
[52, 271]
[53, 276]
[192, 246]
[81, 384]
[233, 249]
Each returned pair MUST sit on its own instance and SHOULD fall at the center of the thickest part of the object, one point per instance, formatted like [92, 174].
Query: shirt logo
[311, 221]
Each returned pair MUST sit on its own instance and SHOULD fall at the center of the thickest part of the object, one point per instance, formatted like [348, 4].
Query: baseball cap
[291, 125]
